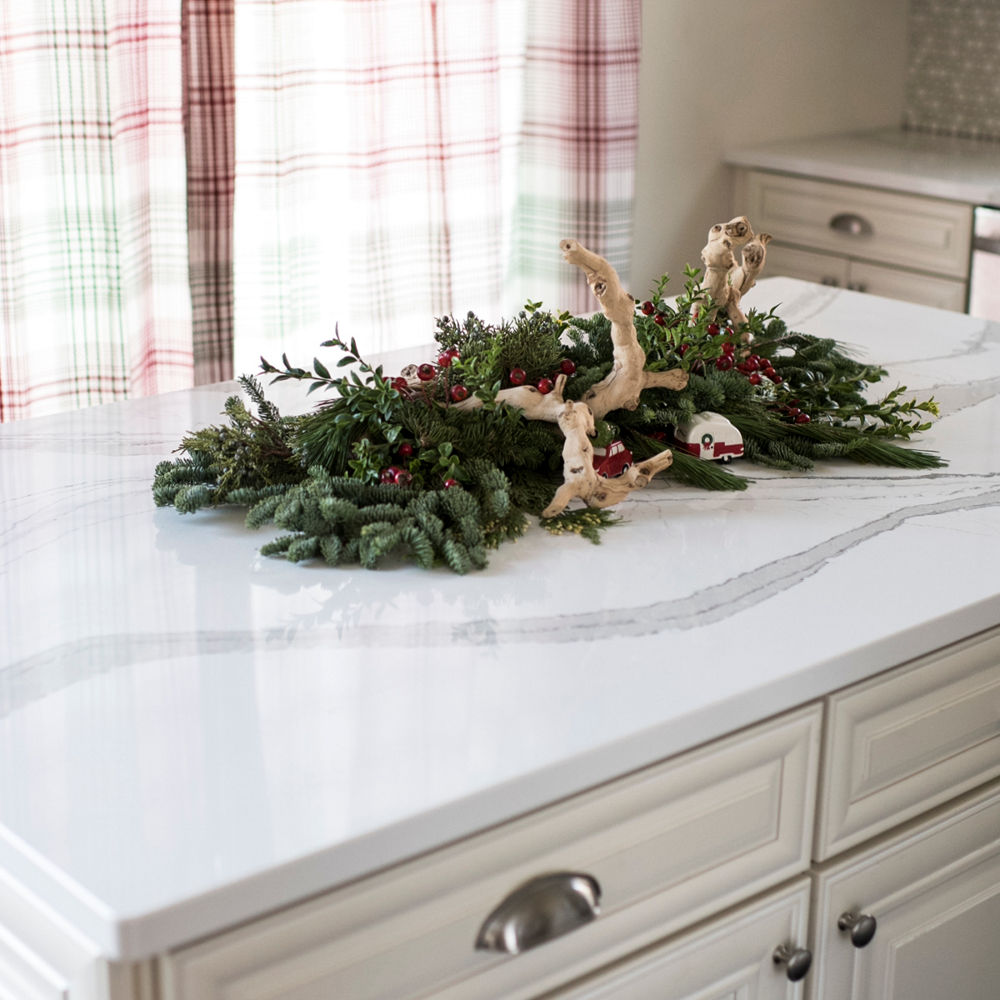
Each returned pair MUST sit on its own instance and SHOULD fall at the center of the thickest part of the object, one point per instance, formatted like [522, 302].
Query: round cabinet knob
[861, 926]
[797, 961]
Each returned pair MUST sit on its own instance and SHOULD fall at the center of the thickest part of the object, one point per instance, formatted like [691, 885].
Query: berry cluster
[400, 475]
[754, 367]
[428, 372]
[660, 318]
[793, 413]
[518, 376]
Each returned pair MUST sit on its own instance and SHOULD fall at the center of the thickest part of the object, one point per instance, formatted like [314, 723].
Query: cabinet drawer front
[902, 743]
[921, 289]
[934, 893]
[805, 265]
[668, 845]
[925, 234]
[729, 957]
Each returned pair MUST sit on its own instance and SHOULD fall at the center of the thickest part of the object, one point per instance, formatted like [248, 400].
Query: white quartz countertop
[191, 734]
[965, 170]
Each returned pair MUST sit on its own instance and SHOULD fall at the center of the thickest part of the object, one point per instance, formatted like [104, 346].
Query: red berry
[802, 418]
[683, 349]
[388, 475]
[762, 363]
[444, 360]
[405, 450]
[660, 320]
[729, 331]
[545, 386]
[403, 478]
[453, 353]
[567, 367]
[712, 329]
[517, 376]
[648, 308]
[724, 363]
[792, 411]
[729, 348]
[743, 368]
[753, 362]
[425, 372]
[754, 378]
[458, 393]
[449, 483]
[399, 383]
[774, 377]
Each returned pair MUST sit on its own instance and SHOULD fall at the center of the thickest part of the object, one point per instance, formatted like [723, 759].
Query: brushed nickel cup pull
[540, 910]
[797, 961]
[851, 225]
[862, 927]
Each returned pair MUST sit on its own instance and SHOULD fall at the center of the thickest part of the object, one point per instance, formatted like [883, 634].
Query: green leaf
[321, 370]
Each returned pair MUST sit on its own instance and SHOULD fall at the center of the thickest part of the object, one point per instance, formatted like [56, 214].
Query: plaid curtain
[93, 239]
[210, 109]
[398, 160]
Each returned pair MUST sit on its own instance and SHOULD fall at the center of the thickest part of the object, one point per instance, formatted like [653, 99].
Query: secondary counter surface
[964, 170]
[192, 734]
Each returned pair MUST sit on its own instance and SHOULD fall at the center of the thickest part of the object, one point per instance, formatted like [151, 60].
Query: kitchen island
[193, 736]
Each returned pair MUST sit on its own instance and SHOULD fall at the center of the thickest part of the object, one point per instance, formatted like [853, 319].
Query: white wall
[719, 74]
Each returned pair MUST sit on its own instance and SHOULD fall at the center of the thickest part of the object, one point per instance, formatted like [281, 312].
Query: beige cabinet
[751, 867]
[733, 956]
[666, 846]
[932, 897]
[899, 246]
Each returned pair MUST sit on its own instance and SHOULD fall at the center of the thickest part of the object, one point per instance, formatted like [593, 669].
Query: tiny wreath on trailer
[543, 415]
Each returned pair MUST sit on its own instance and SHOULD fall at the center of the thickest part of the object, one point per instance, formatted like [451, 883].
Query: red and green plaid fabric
[210, 110]
[93, 236]
[397, 160]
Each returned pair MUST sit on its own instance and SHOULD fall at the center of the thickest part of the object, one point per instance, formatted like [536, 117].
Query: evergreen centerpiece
[448, 459]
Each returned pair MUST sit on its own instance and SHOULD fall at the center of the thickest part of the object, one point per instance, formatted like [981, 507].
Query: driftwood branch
[532, 402]
[622, 386]
[580, 479]
[725, 282]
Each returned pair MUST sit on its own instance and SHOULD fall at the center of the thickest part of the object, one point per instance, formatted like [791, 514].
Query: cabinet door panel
[729, 959]
[24, 977]
[935, 892]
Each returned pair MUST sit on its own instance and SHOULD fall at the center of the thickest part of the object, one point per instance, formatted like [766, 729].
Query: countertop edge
[134, 937]
[851, 165]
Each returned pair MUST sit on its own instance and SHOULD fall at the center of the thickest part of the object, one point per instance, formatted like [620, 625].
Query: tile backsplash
[953, 72]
